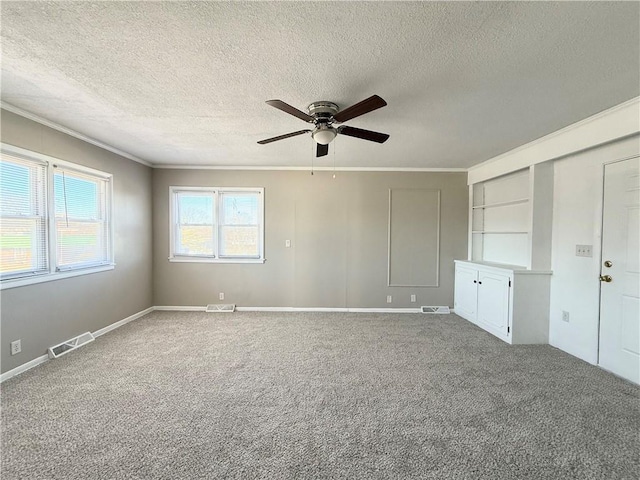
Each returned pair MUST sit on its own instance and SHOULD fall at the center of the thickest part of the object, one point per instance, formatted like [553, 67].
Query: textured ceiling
[186, 82]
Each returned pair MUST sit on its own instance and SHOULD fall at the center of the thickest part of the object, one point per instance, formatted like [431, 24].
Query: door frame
[599, 229]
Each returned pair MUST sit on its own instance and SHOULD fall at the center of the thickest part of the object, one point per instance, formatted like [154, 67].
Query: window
[82, 227]
[54, 218]
[24, 218]
[210, 224]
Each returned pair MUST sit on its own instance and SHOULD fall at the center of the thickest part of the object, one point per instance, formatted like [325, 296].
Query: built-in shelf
[502, 204]
[509, 218]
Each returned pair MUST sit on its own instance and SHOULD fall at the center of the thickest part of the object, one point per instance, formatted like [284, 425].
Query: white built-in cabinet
[510, 303]
[503, 286]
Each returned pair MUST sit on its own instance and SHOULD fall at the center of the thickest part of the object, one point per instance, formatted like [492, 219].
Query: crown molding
[68, 131]
[612, 124]
[307, 169]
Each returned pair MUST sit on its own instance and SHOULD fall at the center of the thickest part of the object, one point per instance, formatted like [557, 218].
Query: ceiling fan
[323, 115]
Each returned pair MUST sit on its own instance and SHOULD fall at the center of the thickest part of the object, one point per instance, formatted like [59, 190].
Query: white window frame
[52, 272]
[215, 192]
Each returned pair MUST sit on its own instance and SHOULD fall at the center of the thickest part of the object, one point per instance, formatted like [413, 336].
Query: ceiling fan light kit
[324, 135]
[323, 115]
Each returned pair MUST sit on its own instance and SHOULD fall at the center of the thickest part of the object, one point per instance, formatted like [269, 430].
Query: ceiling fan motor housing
[323, 111]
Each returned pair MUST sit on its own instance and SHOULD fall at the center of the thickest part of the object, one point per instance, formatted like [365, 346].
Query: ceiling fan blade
[282, 137]
[363, 134]
[285, 107]
[322, 150]
[365, 106]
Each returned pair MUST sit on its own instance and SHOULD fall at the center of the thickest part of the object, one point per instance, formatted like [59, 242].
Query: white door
[493, 302]
[466, 293]
[619, 349]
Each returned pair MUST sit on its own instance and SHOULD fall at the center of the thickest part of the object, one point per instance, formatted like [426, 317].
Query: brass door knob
[608, 264]
[606, 278]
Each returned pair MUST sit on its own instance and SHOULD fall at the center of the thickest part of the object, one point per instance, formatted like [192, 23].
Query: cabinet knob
[475, 281]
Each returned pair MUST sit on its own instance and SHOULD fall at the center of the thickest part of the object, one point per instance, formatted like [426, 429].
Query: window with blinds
[217, 225]
[54, 217]
[81, 221]
[23, 222]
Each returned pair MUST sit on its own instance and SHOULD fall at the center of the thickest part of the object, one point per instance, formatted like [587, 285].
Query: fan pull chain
[312, 154]
[334, 158]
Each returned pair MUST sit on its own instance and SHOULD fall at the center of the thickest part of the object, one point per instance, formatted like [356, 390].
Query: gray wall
[47, 313]
[339, 233]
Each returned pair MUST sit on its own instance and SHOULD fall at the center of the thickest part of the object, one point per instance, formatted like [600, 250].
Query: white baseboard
[23, 368]
[122, 322]
[178, 308]
[37, 361]
[328, 309]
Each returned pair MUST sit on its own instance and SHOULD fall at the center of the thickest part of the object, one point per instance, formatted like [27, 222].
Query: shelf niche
[510, 219]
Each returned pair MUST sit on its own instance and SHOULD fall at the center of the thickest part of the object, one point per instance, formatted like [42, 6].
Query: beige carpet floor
[316, 395]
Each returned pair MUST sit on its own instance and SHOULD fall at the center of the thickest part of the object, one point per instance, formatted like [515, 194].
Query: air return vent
[65, 347]
[435, 310]
[220, 307]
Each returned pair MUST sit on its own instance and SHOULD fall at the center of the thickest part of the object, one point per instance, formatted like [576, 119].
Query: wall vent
[220, 307]
[65, 347]
[430, 309]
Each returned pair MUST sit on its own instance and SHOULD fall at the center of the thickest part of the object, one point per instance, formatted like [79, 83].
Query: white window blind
[23, 211]
[81, 219]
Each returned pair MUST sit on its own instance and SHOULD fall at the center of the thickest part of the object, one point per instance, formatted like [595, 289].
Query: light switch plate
[584, 250]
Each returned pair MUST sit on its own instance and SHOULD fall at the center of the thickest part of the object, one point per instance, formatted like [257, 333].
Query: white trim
[50, 277]
[437, 284]
[179, 308]
[122, 322]
[328, 309]
[68, 131]
[604, 127]
[216, 193]
[44, 358]
[194, 259]
[174, 166]
[23, 368]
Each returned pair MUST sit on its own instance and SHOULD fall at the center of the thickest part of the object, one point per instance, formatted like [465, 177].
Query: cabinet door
[466, 293]
[493, 302]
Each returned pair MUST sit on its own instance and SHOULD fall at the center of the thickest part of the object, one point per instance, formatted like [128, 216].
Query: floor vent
[65, 347]
[435, 309]
[220, 307]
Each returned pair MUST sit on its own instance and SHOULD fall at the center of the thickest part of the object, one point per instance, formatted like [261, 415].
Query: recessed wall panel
[414, 234]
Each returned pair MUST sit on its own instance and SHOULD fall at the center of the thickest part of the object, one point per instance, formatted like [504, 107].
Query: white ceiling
[185, 83]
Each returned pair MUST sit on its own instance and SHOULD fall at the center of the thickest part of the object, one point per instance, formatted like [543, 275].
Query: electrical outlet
[389, 299]
[221, 296]
[413, 299]
[565, 316]
[584, 250]
[16, 347]
[287, 243]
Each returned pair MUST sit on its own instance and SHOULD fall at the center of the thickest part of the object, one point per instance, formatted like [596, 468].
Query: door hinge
[508, 329]
[509, 282]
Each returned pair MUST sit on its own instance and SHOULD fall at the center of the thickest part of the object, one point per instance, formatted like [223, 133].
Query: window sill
[50, 277]
[215, 260]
